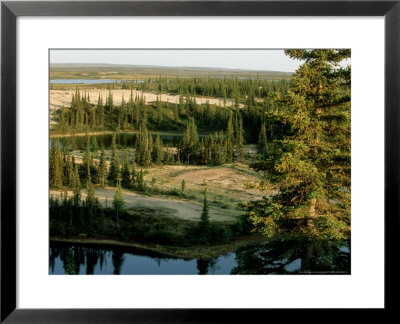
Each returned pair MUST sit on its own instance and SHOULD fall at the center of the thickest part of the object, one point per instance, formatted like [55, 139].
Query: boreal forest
[243, 173]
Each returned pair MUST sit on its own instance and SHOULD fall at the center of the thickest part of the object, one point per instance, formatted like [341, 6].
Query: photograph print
[227, 162]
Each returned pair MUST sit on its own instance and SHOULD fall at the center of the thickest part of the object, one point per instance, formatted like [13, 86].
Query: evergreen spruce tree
[183, 186]
[133, 174]
[204, 225]
[221, 149]
[76, 193]
[118, 203]
[114, 174]
[141, 184]
[110, 101]
[102, 168]
[100, 112]
[91, 205]
[70, 171]
[144, 146]
[95, 146]
[130, 110]
[311, 164]
[126, 173]
[230, 140]
[240, 149]
[158, 153]
[56, 166]
[149, 150]
[262, 139]
[76, 190]
[87, 158]
[190, 140]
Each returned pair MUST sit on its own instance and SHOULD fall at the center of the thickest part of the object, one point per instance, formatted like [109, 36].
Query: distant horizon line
[170, 67]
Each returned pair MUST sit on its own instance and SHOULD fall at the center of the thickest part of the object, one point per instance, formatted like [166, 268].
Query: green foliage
[183, 186]
[141, 183]
[114, 174]
[76, 189]
[311, 163]
[56, 166]
[92, 206]
[190, 140]
[307, 156]
[158, 153]
[118, 203]
[126, 174]
[144, 146]
[87, 160]
[102, 168]
[262, 139]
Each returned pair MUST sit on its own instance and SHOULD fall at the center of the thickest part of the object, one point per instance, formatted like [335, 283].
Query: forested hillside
[266, 160]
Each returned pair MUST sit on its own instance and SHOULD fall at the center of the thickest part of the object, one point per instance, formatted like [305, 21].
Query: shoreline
[194, 252]
[59, 135]
[106, 132]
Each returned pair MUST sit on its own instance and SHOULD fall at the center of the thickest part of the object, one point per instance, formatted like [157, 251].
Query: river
[91, 81]
[278, 257]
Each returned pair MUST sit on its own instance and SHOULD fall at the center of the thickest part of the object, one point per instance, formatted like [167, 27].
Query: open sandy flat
[59, 98]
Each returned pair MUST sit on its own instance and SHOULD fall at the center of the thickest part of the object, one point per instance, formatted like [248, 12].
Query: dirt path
[59, 98]
[161, 206]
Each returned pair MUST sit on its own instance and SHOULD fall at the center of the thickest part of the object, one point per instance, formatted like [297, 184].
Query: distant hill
[125, 71]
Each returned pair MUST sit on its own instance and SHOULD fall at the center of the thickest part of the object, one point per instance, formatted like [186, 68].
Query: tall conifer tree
[311, 165]
[102, 168]
[114, 174]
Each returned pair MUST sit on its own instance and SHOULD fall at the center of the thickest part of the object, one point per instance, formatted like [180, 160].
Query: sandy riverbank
[60, 98]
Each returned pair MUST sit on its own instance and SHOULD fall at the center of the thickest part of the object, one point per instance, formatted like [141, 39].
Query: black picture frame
[11, 10]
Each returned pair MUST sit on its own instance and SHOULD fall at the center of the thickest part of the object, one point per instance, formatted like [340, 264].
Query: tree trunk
[306, 260]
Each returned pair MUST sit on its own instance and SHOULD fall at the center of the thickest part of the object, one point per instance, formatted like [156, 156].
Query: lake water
[266, 258]
[91, 81]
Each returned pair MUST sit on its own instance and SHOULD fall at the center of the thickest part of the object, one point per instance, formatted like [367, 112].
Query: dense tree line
[65, 173]
[72, 215]
[165, 116]
[224, 88]
[217, 148]
[302, 129]
[83, 115]
[84, 215]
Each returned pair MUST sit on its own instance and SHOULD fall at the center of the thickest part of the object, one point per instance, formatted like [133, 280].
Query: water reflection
[205, 265]
[294, 257]
[81, 259]
[276, 257]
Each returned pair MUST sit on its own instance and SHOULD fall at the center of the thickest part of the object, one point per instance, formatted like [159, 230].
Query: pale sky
[261, 60]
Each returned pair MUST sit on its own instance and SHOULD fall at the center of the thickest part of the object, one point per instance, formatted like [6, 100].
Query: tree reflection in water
[73, 258]
[205, 265]
[117, 260]
[274, 257]
[294, 257]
